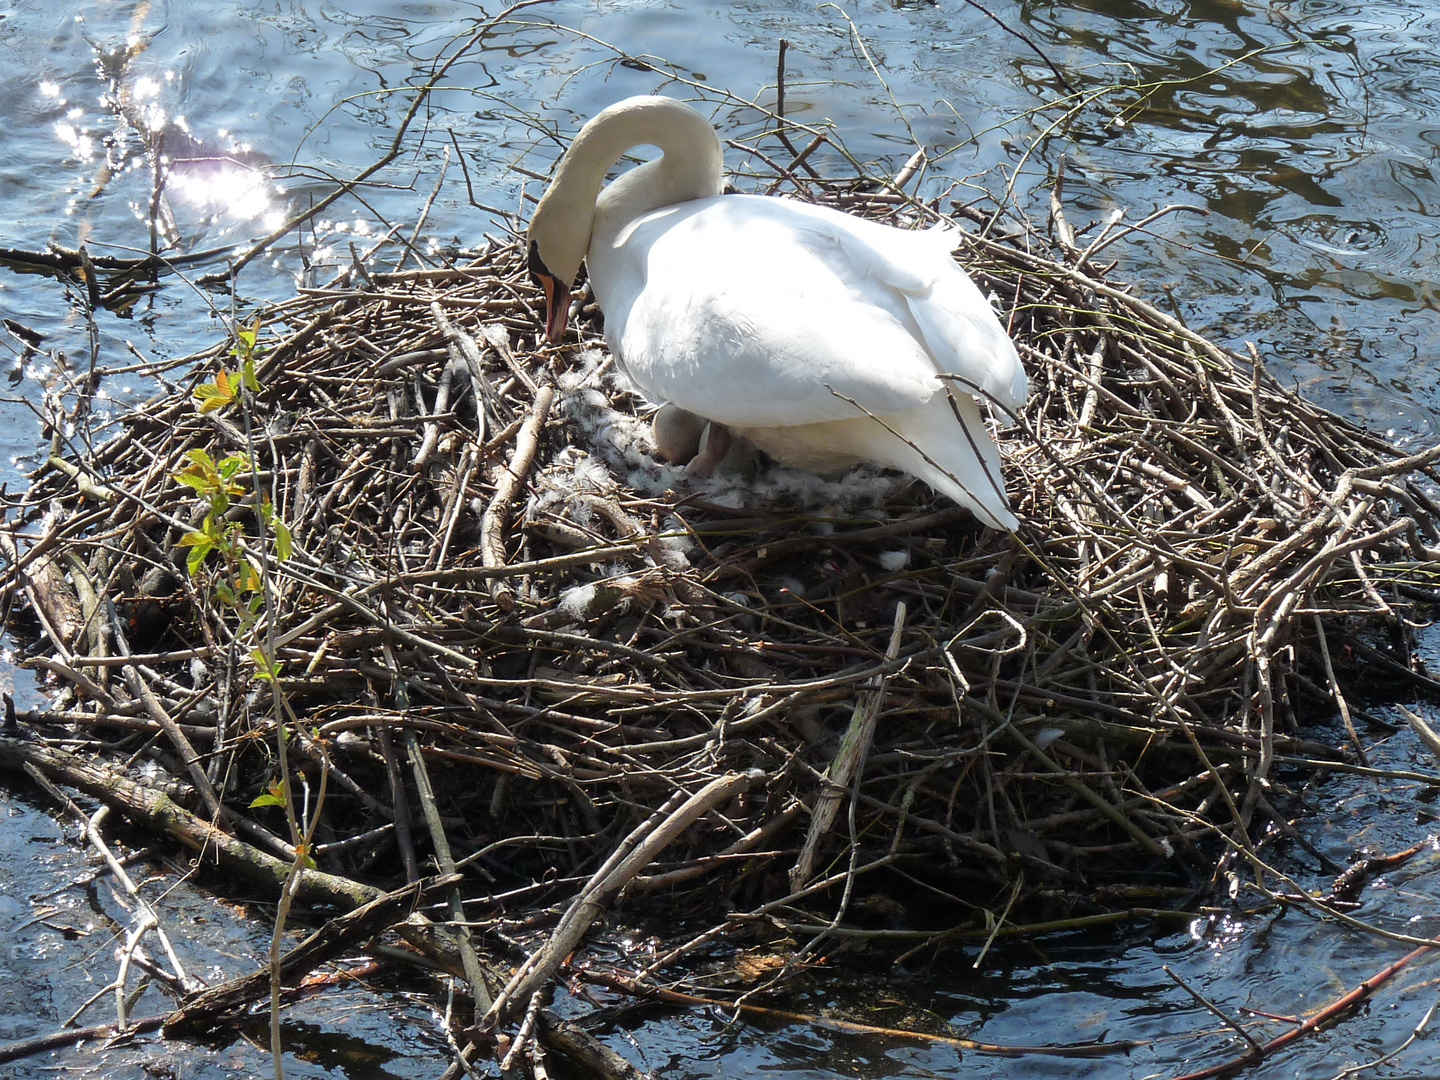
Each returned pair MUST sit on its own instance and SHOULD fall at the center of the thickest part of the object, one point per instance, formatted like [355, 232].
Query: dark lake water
[1308, 132]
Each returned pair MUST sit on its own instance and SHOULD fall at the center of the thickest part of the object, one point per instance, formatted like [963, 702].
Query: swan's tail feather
[945, 443]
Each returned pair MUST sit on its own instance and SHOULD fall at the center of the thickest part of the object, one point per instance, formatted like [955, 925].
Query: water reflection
[212, 188]
[224, 190]
[1309, 131]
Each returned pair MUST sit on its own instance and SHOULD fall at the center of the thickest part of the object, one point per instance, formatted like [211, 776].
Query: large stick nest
[891, 694]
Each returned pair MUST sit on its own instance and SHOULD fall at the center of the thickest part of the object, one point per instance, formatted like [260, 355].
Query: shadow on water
[1306, 131]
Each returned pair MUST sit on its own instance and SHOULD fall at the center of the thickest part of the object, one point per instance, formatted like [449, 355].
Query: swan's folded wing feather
[960, 329]
[754, 316]
[968, 341]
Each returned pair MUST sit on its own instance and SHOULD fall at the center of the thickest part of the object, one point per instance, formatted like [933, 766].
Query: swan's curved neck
[574, 212]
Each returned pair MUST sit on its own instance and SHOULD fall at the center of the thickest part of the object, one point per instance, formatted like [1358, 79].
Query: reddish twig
[1312, 1023]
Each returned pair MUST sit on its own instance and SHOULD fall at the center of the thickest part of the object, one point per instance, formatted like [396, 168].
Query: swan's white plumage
[820, 337]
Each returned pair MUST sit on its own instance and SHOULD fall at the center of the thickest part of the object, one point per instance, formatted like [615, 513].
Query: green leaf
[274, 796]
[196, 559]
[217, 395]
[202, 465]
[284, 542]
[266, 669]
[248, 378]
[247, 343]
[232, 465]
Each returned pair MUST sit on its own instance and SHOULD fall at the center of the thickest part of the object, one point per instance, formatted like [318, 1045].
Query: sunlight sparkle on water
[1216, 931]
[153, 116]
[78, 141]
[49, 89]
[235, 191]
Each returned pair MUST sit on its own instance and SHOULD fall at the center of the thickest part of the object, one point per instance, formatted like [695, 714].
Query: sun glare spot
[222, 188]
[153, 117]
[1216, 932]
[49, 89]
[78, 141]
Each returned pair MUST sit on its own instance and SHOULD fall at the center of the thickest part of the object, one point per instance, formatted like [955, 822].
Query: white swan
[820, 337]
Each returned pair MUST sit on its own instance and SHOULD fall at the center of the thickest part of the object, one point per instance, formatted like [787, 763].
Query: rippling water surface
[1306, 133]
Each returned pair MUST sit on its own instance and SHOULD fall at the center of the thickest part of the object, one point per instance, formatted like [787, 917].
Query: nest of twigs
[512, 644]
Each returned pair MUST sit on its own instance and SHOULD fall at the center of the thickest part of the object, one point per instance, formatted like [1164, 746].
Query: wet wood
[203, 1011]
[156, 810]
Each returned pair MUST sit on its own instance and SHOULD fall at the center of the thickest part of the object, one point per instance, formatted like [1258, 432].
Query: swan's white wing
[962, 331]
[959, 328]
[748, 312]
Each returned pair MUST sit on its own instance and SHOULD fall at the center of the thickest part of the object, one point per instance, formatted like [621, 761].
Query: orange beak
[557, 295]
[557, 306]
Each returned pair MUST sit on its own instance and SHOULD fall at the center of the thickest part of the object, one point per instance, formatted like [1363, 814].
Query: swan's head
[555, 284]
[559, 236]
[560, 232]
